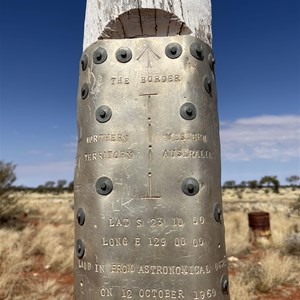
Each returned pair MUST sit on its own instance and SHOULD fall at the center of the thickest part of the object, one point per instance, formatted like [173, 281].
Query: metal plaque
[148, 208]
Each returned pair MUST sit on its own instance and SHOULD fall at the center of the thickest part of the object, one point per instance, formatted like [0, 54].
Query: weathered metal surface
[148, 208]
[259, 220]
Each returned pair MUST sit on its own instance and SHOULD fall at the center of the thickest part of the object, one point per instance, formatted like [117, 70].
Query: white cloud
[267, 137]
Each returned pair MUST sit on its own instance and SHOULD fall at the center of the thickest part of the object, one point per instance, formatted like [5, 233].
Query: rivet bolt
[100, 55]
[173, 50]
[124, 55]
[103, 114]
[84, 91]
[80, 249]
[104, 186]
[190, 186]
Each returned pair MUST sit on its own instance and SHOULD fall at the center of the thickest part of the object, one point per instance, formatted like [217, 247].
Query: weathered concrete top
[115, 19]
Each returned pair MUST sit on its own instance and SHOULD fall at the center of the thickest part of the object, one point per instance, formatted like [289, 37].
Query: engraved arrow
[150, 56]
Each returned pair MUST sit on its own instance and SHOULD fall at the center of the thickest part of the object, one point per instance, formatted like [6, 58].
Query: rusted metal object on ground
[148, 205]
[259, 228]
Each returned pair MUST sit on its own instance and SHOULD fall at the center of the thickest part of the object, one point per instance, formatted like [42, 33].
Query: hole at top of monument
[145, 22]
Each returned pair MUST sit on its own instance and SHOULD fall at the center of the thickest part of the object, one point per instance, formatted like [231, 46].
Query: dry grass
[240, 289]
[274, 270]
[261, 195]
[55, 243]
[33, 260]
[268, 273]
[12, 263]
[236, 225]
[282, 226]
[51, 288]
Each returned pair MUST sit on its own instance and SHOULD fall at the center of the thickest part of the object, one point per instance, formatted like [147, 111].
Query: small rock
[232, 259]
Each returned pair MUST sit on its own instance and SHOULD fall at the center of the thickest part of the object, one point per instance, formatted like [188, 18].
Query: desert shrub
[267, 274]
[292, 242]
[9, 207]
[7, 175]
[9, 204]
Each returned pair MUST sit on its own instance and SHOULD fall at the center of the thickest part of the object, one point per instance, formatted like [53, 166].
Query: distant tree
[9, 206]
[71, 187]
[50, 184]
[252, 184]
[42, 189]
[229, 184]
[270, 181]
[293, 180]
[61, 183]
[242, 184]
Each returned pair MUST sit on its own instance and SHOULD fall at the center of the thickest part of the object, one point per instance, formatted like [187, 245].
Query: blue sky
[257, 46]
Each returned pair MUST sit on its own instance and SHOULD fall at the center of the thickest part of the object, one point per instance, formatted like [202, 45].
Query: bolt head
[173, 50]
[84, 62]
[124, 55]
[190, 186]
[208, 84]
[104, 186]
[196, 50]
[224, 284]
[80, 216]
[80, 249]
[217, 213]
[211, 61]
[188, 111]
[84, 91]
[99, 56]
[103, 114]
